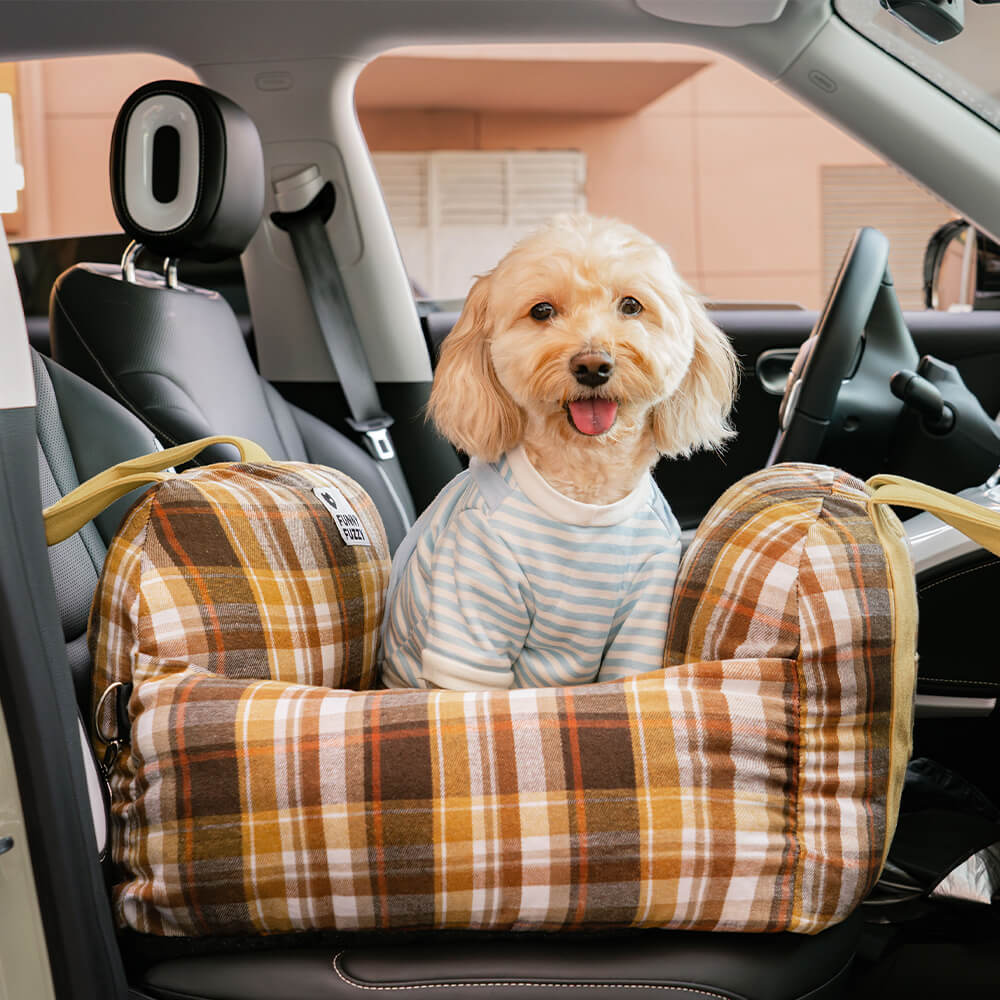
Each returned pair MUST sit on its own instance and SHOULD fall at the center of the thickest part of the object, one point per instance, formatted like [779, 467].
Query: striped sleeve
[481, 602]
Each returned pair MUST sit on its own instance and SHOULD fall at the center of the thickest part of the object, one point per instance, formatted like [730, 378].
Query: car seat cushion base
[531, 967]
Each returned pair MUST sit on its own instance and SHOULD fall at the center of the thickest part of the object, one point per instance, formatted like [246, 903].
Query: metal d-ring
[101, 735]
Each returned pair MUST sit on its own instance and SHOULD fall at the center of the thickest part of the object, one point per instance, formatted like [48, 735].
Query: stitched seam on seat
[45, 434]
[122, 398]
[491, 983]
[819, 990]
[93, 356]
[277, 426]
[396, 499]
[955, 576]
[937, 583]
[44, 440]
[953, 680]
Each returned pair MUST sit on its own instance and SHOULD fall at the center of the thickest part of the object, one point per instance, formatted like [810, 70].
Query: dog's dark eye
[629, 306]
[543, 311]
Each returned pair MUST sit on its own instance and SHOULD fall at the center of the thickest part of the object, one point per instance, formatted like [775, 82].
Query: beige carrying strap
[68, 515]
[980, 524]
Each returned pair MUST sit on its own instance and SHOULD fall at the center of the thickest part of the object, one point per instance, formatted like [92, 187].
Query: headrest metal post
[170, 272]
[132, 251]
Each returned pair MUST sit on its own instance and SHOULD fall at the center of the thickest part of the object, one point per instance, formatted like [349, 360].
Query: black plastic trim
[38, 703]
[954, 658]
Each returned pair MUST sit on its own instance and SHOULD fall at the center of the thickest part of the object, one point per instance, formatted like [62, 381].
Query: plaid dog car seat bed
[749, 785]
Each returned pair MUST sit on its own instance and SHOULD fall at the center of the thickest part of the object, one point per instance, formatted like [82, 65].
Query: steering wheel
[837, 402]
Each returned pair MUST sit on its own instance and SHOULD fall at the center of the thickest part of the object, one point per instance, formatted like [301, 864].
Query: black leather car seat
[174, 354]
[81, 432]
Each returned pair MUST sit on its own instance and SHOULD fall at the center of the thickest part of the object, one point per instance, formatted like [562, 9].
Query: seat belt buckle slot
[376, 435]
[380, 444]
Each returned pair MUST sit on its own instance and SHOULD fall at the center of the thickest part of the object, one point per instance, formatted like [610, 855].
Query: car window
[753, 194]
[64, 111]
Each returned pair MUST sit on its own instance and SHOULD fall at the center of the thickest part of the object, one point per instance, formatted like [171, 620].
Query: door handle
[773, 368]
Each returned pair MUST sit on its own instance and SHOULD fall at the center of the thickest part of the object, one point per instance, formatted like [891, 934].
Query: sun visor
[717, 13]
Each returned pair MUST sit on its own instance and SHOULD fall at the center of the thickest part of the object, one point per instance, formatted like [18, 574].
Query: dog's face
[583, 331]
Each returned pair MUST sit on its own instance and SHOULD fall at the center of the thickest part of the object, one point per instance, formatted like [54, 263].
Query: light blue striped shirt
[504, 582]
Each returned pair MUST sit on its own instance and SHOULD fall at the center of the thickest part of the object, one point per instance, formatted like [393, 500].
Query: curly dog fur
[581, 290]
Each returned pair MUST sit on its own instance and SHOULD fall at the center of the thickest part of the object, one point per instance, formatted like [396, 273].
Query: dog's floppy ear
[468, 404]
[696, 415]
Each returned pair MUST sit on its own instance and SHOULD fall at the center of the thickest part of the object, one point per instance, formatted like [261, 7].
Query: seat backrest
[80, 432]
[174, 354]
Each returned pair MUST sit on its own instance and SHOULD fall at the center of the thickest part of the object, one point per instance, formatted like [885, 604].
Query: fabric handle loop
[67, 516]
[981, 524]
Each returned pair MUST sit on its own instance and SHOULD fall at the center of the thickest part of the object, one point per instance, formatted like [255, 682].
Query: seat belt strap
[306, 227]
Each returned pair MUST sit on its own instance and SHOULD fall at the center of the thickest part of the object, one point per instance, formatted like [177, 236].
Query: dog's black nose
[592, 368]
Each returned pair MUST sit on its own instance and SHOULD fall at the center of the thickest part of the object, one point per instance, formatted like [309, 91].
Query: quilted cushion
[750, 788]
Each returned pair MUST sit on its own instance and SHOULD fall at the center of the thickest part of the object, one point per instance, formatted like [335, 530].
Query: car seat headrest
[187, 171]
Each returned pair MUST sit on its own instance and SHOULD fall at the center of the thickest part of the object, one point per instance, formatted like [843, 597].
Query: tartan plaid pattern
[239, 570]
[742, 791]
[791, 563]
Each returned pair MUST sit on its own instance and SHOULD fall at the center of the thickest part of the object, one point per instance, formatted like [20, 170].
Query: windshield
[966, 65]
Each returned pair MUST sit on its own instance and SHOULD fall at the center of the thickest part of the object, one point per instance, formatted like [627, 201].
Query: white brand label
[348, 523]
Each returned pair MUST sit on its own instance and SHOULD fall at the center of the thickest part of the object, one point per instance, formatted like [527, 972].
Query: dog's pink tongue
[593, 416]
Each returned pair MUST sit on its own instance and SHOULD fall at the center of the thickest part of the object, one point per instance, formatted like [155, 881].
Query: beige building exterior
[752, 193]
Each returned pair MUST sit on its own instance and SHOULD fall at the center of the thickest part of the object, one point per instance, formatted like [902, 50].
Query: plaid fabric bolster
[671, 799]
[790, 563]
[247, 571]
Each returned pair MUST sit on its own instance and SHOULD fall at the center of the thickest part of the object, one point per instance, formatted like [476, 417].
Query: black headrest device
[187, 171]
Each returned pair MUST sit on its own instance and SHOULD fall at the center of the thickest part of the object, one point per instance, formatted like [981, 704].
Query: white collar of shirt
[563, 508]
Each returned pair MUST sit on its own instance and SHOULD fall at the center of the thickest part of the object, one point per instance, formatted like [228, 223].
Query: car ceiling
[197, 32]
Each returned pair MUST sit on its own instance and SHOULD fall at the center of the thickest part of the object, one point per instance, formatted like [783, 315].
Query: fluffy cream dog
[581, 299]
[576, 363]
